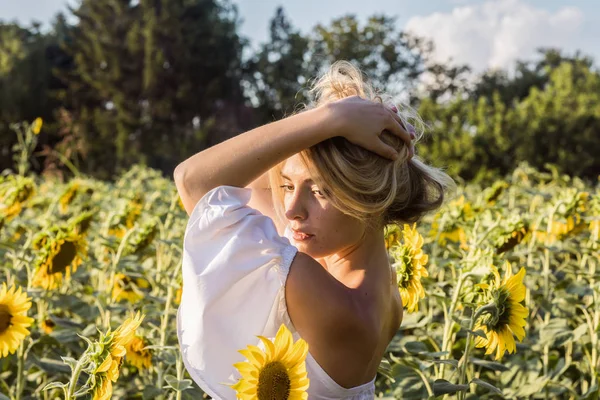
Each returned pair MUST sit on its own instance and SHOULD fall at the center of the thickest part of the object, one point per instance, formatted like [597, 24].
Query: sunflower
[510, 240]
[143, 236]
[112, 348]
[509, 317]
[13, 319]
[48, 326]
[278, 373]
[392, 236]
[410, 267]
[126, 288]
[15, 191]
[137, 355]
[61, 252]
[459, 212]
[493, 193]
[102, 389]
[68, 196]
[126, 218]
[559, 230]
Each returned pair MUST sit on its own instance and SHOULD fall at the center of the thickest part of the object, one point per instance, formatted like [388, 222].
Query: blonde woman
[286, 227]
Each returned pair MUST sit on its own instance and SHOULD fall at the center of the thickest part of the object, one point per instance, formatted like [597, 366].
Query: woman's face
[307, 210]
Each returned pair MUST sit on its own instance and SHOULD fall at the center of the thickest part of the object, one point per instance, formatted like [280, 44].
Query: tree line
[155, 81]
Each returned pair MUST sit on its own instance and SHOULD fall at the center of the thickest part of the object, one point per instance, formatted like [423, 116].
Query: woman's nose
[295, 208]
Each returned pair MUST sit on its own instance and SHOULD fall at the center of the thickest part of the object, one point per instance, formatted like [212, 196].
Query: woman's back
[353, 361]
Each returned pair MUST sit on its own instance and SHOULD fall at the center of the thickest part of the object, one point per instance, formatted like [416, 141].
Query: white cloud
[495, 33]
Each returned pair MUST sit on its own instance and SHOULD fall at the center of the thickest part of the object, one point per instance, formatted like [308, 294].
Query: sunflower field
[501, 289]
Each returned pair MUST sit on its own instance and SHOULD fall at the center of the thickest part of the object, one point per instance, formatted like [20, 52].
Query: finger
[405, 125]
[411, 129]
[396, 127]
[385, 150]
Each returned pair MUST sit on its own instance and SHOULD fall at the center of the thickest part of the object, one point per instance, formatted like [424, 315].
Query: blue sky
[481, 33]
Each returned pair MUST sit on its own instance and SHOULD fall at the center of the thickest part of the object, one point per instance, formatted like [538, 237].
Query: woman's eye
[286, 187]
[319, 193]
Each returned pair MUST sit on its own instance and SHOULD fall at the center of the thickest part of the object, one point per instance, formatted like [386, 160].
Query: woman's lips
[299, 236]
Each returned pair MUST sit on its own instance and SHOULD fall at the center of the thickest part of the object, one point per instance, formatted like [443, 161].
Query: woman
[286, 227]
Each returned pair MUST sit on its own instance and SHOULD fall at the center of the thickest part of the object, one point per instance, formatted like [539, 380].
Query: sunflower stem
[75, 376]
[546, 273]
[115, 261]
[179, 367]
[163, 333]
[20, 374]
[463, 366]
[594, 325]
[425, 381]
[449, 321]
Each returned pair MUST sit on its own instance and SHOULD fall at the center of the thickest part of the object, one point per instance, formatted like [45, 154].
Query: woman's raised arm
[241, 159]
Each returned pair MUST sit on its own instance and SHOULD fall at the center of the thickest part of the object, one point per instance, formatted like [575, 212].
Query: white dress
[235, 266]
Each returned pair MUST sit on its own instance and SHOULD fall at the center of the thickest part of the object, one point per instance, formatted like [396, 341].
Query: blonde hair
[358, 182]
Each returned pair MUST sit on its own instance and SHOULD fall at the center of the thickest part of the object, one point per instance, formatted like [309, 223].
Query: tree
[149, 78]
[25, 83]
[561, 123]
[382, 52]
[277, 72]
[527, 75]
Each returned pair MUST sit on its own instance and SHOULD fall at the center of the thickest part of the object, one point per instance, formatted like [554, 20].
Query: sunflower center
[274, 382]
[63, 258]
[124, 282]
[404, 270]
[5, 318]
[501, 299]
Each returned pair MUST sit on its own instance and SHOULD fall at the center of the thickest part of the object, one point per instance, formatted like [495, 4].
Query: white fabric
[235, 266]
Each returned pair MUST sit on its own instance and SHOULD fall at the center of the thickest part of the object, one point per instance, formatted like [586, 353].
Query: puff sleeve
[234, 269]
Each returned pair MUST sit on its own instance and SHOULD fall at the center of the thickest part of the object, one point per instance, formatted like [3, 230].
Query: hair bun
[341, 80]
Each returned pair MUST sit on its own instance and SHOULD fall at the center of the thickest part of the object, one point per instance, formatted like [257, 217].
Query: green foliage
[481, 137]
[149, 78]
[154, 82]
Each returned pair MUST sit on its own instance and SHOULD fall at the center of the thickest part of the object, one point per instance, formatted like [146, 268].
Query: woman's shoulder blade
[316, 301]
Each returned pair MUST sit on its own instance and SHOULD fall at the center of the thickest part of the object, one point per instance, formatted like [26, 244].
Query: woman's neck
[367, 258]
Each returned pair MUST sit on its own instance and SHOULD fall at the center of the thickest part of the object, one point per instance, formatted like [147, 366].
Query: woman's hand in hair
[362, 122]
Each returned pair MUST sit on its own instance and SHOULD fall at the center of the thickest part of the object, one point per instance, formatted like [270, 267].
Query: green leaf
[416, 347]
[176, 384]
[385, 369]
[53, 366]
[442, 386]
[151, 392]
[51, 385]
[436, 353]
[449, 362]
[486, 385]
[579, 332]
[478, 332]
[70, 361]
[494, 366]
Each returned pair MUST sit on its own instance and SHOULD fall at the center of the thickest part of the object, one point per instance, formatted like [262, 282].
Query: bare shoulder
[320, 306]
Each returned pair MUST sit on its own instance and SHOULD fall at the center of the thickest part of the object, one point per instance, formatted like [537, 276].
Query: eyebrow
[288, 178]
